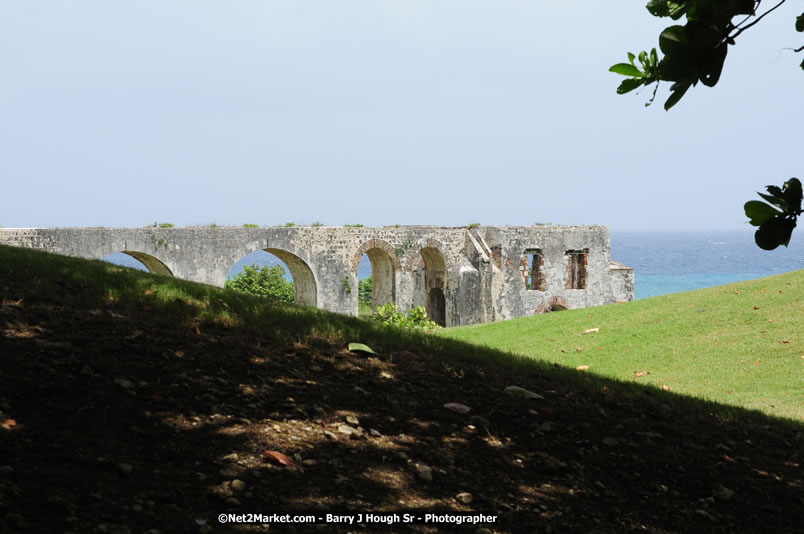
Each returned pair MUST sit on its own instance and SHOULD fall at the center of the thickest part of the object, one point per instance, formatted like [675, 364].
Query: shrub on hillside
[264, 282]
[416, 317]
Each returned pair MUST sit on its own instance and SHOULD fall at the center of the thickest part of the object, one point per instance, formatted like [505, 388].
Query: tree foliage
[264, 282]
[365, 290]
[775, 219]
[695, 52]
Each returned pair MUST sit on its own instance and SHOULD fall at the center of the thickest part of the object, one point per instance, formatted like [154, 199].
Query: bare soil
[121, 421]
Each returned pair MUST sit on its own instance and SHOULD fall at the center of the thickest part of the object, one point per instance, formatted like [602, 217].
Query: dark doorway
[436, 306]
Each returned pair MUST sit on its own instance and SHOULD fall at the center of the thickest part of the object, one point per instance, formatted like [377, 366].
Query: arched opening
[273, 266]
[375, 264]
[376, 280]
[139, 261]
[430, 283]
[553, 305]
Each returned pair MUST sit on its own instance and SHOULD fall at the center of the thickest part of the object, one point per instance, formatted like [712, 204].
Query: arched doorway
[138, 260]
[295, 270]
[430, 282]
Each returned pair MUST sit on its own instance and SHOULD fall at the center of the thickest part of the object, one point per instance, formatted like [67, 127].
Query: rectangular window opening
[576, 268]
[533, 270]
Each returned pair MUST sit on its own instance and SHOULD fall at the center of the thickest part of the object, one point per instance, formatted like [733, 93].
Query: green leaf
[776, 201]
[774, 232]
[654, 59]
[658, 8]
[629, 85]
[626, 70]
[672, 38]
[800, 23]
[665, 8]
[359, 347]
[678, 91]
[643, 58]
[710, 71]
[759, 212]
[792, 196]
[631, 57]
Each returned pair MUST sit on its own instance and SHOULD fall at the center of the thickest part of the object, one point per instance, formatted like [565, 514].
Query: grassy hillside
[741, 344]
[136, 403]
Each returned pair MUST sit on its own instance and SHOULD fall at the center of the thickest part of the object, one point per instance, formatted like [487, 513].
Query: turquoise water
[664, 262]
[672, 262]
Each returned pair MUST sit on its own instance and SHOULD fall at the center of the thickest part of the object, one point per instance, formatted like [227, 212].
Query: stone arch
[384, 266]
[303, 277]
[152, 263]
[434, 284]
[304, 280]
[553, 304]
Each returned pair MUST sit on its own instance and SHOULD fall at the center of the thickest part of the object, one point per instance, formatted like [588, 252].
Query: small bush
[472, 226]
[161, 225]
[264, 282]
[317, 224]
[249, 225]
[416, 318]
[353, 226]
[365, 288]
[289, 224]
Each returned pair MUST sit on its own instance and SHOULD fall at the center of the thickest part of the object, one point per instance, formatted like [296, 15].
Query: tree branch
[741, 30]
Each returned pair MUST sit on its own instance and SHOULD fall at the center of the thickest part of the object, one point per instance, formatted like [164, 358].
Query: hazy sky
[379, 112]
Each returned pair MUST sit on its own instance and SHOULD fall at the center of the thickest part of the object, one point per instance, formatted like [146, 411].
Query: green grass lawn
[739, 344]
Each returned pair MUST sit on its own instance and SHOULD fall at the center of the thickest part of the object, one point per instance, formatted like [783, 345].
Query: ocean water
[672, 262]
[664, 262]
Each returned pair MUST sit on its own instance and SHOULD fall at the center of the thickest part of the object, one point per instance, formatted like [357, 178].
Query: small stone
[424, 472]
[479, 421]
[375, 433]
[723, 493]
[126, 469]
[553, 465]
[234, 501]
[309, 462]
[465, 497]
[87, 370]
[610, 442]
[128, 385]
[346, 429]
[546, 427]
[238, 485]
[232, 457]
[330, 435]
[352, 420]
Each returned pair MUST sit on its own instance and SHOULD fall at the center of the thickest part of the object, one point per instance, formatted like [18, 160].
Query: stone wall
[461, 275]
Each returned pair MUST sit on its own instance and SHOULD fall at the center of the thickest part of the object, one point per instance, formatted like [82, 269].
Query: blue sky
[373, 112]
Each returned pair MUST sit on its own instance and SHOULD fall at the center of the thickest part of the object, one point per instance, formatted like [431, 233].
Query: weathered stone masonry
[461, 276]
